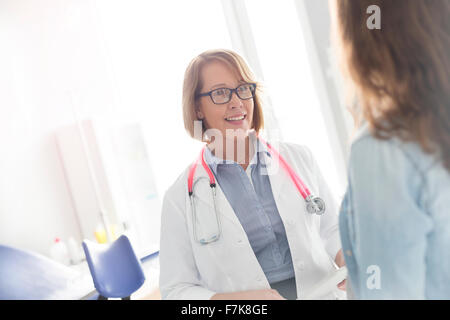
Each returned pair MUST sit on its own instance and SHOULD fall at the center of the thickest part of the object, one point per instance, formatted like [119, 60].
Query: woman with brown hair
[395, 217]
[234, 225]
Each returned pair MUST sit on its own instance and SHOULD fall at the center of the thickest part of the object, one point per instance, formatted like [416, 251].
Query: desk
[150, 288]
[26, 275]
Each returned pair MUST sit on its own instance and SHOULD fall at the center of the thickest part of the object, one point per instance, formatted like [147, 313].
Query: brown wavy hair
[401, 71]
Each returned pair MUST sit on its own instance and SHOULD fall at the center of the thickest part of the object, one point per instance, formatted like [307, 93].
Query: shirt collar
[259, 147]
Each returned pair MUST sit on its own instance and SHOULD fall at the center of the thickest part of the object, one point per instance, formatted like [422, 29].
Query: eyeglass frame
[253, 85]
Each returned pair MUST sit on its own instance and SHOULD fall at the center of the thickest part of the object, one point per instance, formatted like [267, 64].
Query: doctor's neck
[236, 149]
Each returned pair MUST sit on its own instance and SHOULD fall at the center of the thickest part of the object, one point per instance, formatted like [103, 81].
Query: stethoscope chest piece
[315, 205]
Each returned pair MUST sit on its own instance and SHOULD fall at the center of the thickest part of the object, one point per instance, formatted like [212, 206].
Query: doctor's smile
[237, 119]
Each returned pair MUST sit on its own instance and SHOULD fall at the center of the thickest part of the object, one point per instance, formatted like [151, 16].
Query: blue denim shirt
[395, 221]
[254, 205]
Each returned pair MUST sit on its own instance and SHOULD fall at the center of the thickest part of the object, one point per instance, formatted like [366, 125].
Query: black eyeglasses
[245, 91]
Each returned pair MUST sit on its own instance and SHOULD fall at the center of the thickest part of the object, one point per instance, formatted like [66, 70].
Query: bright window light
[150, 44]
[288, 77]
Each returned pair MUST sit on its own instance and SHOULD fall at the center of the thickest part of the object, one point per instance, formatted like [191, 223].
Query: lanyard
[212, 180]
[304, 191]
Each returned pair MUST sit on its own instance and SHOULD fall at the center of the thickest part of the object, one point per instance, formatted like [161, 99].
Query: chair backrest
[115, 268]
[28, 275]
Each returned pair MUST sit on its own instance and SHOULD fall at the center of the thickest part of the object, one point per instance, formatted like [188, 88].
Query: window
[148, 45]
[287, 73]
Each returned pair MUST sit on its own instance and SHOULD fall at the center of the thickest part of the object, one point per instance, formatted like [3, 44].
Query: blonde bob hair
[193, 83]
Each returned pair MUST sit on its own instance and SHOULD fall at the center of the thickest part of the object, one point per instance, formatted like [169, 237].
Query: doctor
[245, 220]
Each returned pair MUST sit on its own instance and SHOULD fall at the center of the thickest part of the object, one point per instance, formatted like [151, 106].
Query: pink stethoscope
[314, 205]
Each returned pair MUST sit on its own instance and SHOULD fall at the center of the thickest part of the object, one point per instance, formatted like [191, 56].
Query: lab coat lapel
[278, 179]
[287, 198]
[248, 271]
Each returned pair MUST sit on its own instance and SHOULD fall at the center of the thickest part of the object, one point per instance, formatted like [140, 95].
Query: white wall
[66, 60]
[40, 43]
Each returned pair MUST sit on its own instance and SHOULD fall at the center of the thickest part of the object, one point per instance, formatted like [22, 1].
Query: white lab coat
[189, 270]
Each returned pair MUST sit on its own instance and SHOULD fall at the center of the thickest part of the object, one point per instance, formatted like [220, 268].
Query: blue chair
[26, 275]
[115, 268]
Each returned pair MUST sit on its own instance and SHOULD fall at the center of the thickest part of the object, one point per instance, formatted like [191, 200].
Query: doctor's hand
[263, 294]
[340, 261]
[341, 285]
